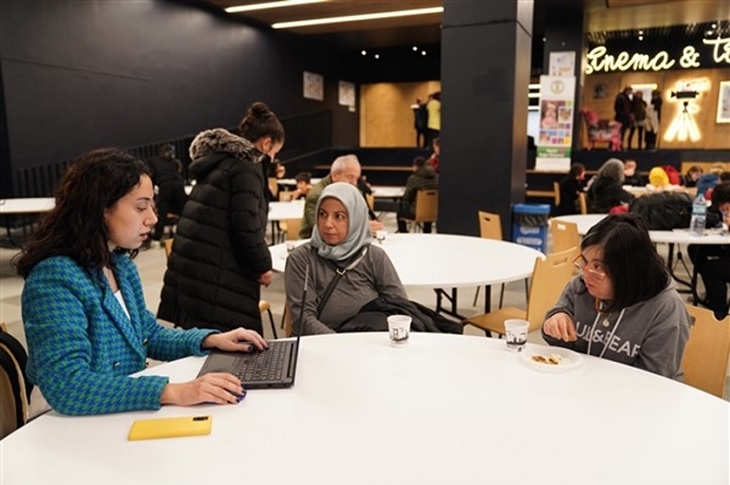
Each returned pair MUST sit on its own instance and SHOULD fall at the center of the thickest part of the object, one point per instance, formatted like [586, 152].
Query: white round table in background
[388, 192]
[443, 261]
[444, 409]
[279, 211]
[583, 221]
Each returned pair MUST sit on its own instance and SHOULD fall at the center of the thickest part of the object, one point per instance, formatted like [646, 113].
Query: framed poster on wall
[723, 102]
[313, 86]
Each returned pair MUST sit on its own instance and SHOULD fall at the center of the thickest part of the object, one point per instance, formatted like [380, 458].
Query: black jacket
[569, 189]
[606, 193]
[220, 247]
[423, 178]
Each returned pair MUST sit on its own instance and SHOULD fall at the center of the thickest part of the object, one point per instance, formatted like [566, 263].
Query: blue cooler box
[529, 225]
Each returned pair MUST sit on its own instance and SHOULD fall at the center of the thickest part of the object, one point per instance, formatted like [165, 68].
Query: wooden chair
[583, 203]
[706, 354]
[264, 305]
[291, 228]
[427, 206]
[370, 199]
[548, 280]
[564, 234]
[556, 191]
[14, 394]
[490, 227]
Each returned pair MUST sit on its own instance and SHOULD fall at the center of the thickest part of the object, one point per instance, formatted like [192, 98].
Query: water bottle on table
[699, 215]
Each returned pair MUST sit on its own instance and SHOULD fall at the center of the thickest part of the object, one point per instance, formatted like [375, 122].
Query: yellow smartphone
[148, 429]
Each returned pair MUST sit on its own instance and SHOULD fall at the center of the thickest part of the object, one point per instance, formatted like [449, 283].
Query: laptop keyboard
[267, 365]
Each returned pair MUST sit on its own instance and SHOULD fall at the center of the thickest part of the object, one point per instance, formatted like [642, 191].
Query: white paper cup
[399, 329]
[380, 235]
[516, 334]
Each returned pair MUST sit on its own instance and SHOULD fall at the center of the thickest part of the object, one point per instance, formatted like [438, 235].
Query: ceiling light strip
[268, 5]
[358, 18]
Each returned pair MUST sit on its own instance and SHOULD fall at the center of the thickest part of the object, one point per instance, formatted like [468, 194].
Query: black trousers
[713, 265]
[170, 198]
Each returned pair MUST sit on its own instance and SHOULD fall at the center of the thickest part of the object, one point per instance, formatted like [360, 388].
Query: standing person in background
[420, 114]
[220, 257]
[622, 112]
[86, 322]
[344, 169]
[433, 106]
[652, 120]
[434, 160]
[570, 187]
[171, 197]
[638, 111]
[423, 177]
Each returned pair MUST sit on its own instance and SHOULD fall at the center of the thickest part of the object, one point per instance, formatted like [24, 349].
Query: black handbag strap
[339, 273]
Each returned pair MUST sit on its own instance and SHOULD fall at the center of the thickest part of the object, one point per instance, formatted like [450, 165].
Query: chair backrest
[490, 226]
[292, 228]
[564, 234]
[274, 186]
[556, 191]
[427, 205]
[168, 246]
[583, 203]
[548, 280]
[13, 394]
[706, 354]
[18, 352]
[370, 199]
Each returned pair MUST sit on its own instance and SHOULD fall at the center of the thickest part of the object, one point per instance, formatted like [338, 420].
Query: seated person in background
[692, 176]
[341, 239]
[713, 261]
[611, 312]
[434, 161]
[724, 177]
[709, 180]
[304, 184]
[606, 191]
[570, 187]
[423, 177]
[84, 312]
[344, 169]
[167, 176]
[630, 175]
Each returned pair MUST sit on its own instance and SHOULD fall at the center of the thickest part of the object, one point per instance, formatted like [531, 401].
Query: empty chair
[556, 191]
[427, 205]
[706, 353]
[490, 227]
[564, 234]
[583, 203]
[548, 280]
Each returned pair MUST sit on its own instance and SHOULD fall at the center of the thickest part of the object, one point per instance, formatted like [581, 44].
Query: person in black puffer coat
[606, 190]
[220, 256]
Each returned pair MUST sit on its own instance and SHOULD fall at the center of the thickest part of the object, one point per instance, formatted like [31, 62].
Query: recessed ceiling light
[641, 37]
[423, 53]
[267, 5]
[364, 52]
[377, 56]
[415, 48]
[357, 18]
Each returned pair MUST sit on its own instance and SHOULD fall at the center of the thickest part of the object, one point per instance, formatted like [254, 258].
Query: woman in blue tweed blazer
[84, 312]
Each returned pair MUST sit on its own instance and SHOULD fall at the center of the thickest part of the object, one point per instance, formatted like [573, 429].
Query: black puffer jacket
[606, 193]
[220, 247]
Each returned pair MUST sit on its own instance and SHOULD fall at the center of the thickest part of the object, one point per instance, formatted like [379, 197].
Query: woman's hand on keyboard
[236, 340]
[216, 388]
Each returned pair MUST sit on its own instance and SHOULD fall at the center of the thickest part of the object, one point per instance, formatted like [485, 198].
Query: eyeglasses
[594, 269]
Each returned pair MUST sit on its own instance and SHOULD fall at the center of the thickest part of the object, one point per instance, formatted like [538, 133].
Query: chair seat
[494, 321]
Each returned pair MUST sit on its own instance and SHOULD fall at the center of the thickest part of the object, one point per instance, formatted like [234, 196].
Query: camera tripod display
[684, 126]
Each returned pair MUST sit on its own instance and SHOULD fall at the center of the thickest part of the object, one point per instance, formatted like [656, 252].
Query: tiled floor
[151, 264]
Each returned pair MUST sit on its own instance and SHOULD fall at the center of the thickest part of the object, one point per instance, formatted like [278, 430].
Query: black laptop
[273, 368]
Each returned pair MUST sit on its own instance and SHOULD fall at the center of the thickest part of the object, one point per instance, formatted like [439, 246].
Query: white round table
[445, 409]
[25, 205]
[583, 221]
[388, 192]
[447, 261]
[279, 211]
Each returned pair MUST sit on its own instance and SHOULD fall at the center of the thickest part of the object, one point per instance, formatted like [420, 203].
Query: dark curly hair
[260, 122]
[93, 182]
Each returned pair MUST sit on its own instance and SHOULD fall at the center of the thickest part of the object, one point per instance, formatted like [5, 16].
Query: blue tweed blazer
[82, 346]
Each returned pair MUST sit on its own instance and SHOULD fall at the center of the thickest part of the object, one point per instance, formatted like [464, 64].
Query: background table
[447, 261]
[19, 206]
[445, 409]
[279, 211]
[388, 192]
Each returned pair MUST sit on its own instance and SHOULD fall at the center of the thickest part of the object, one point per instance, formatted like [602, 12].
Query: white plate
[570, 360]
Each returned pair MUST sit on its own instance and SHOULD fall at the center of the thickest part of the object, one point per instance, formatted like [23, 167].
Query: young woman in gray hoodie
[623, 306]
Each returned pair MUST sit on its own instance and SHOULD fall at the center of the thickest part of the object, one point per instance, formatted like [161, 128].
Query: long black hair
[635, 268]
[93, 182]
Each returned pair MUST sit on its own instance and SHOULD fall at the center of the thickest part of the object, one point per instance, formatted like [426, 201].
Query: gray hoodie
[650, 335]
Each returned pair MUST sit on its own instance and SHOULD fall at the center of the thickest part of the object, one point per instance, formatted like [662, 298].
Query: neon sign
[683, 125]
[599, 60]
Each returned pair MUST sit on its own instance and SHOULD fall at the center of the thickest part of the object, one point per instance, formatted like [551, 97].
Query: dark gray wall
[84, 74]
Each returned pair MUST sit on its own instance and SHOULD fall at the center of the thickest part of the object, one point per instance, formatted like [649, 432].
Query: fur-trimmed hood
[219, 141]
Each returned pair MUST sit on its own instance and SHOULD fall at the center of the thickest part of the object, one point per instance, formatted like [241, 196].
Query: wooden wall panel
[386, 117]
